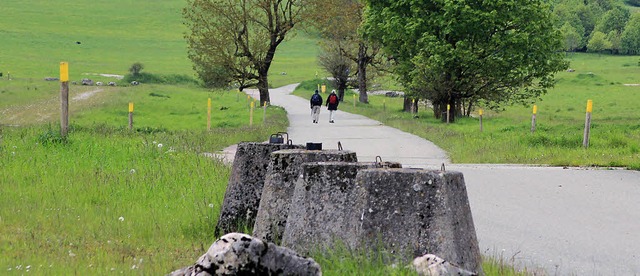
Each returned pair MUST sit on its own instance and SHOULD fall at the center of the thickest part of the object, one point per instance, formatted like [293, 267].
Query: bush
[160, 79]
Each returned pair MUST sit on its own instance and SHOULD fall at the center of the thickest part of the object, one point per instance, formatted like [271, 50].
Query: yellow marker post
[587, 125]
[413, 104]
[209, 114]
[264, 113]
[354, 100]
[384, 105]
[480, 112]
[253, 104]
[448, 113]
[64, 71]
[533, 118]
[64, 98]
[130, 116]
[324, 88]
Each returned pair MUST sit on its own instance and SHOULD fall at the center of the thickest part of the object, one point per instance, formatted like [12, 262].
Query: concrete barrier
[284, 170]
[326, 206]
[244, 188]
[414, 212]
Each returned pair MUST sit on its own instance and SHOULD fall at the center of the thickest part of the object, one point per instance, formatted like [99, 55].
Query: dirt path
[46, 110]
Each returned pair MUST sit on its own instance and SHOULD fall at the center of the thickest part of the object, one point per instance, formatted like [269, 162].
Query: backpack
[333, 99]
[316, 99]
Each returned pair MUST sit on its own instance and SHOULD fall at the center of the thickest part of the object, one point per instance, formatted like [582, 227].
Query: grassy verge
[107, 199]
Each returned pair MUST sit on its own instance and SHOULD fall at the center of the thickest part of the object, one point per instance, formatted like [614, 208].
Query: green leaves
[453, 51]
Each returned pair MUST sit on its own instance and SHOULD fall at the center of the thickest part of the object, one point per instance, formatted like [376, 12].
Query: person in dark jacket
[316, 103]
[332, 105]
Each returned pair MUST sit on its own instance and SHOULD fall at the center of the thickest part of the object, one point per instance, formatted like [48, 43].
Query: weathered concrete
[244, 188]
[283, 171]
[415, 212]
[326, 206]
[240, 254]
[432, 265]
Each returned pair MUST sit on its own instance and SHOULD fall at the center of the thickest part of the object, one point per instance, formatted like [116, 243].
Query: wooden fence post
[587, 125]
[64, 98]
[480, 114]
[209, 114]
[533, 118]
[130, 115]
[253, 104]
[264, 113]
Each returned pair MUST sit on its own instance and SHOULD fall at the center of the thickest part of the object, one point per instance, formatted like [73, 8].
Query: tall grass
[109, 199]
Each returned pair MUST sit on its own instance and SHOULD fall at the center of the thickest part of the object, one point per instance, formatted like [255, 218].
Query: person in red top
[332, 105]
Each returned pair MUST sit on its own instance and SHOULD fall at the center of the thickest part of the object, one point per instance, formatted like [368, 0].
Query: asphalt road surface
[560, 221]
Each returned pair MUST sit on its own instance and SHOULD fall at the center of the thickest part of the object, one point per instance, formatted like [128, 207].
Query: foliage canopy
[459, 53]
[234, 42]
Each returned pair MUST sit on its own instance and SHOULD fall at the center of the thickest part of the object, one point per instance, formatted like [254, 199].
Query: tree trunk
[362, 73]
[341, 84]
[410, 104]
[263, 88]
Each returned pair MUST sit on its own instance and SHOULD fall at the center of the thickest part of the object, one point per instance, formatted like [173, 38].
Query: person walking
[332, 105]
[316, 103]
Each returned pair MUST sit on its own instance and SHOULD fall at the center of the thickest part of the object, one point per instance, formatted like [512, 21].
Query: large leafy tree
[338, 22]
[235, 41]
[599, 42]
[461, 52]
[630, 38]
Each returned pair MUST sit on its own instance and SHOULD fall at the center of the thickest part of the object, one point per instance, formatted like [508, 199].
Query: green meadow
[107, 199]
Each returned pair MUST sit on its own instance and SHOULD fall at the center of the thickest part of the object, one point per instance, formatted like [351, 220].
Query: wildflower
[132, 171]
[210, 205]
[121, 218]
[159, 145]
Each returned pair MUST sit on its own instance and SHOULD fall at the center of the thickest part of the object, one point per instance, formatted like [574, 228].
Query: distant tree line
[598, 26]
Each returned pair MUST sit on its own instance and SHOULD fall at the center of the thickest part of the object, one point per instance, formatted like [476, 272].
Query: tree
[236, 40]
[571, 37]
[615, 38]
[337, 65]
[598, 42]
[136, 68]
[338, 21]
[458, 53]
[614, 20]
[630, 37]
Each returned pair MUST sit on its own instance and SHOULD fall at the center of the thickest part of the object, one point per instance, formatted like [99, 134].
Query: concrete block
[240, 254]
[284, 170]
[326, 206]
[244, 188]
[414, 212]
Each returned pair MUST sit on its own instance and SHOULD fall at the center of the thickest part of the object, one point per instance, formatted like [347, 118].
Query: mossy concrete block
[284, 170]
[415, 212]
[244, 188]
[326, 206]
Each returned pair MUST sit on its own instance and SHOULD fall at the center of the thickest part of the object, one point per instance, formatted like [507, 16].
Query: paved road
[561, 221]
